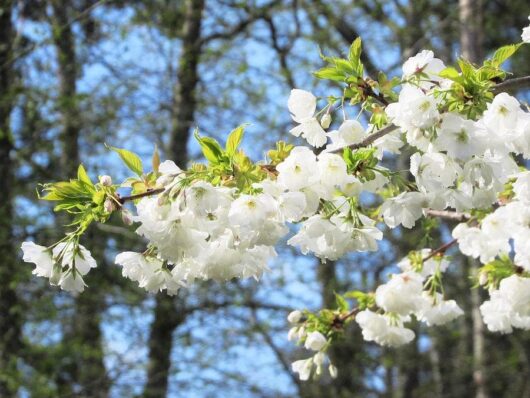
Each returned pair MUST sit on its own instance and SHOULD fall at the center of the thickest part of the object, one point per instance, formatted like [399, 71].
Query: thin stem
[370, 138]
[149, 192]
[441, 250]
[516, 83]
[371, 93]
[350, 314]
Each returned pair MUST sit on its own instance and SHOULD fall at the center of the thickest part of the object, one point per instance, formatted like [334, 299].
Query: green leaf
[344, 66]
[234, 139]
[449, 73]
[355, 51]
[342, 304]
[503, 53]
[83, 176]
[347, 155]
[330, 73]
[364, 300]
[355, 57]
[467, 68]
[131, 160]
[211, 149]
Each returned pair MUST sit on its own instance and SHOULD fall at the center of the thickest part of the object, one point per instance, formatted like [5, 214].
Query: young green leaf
[355, 57]
[330, 73]
[131, 160]
[355, 50]
[503, 53]
[342, 304]
[234, 139]
[449, 73]
[83, 176]
[211, 149]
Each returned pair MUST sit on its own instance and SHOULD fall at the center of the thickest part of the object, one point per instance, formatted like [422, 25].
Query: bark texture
[10, 311]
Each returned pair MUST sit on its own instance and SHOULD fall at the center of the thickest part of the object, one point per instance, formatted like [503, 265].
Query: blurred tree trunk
[83, 336]
[471, 29]
[471, 42]
[185, 102]
[168, 314]
[10, 311]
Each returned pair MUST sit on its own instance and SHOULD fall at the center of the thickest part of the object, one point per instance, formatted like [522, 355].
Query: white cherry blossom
[302, 106]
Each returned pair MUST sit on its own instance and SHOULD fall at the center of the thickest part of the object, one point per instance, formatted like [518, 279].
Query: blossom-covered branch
[222, 219]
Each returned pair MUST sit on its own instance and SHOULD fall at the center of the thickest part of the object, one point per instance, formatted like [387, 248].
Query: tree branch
[441, 250]
[149, 192]
[370, 138]
[517, 83]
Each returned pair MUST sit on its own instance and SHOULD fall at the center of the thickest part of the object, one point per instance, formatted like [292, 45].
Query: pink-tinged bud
[126, 217]
[109, 205]
[105, 180]
[325, 121]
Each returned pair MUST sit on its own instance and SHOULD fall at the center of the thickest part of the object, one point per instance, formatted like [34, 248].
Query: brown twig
[512, 84]
[149, 192]
[441, 250]
[370, 138]
[350, 314]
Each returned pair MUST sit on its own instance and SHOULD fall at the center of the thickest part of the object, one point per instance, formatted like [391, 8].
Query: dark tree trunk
[10, 310]
[64, 40]
[83, 337]
[168, 314]
[185, 102]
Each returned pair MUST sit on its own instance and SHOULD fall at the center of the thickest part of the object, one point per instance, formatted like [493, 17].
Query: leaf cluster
[80, 197]
[471, 89]
[229, 166]
[361, 162]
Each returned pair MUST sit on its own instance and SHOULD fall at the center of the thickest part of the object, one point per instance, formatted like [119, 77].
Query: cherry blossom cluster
[460, 163]
[413, 292]
[313, 341]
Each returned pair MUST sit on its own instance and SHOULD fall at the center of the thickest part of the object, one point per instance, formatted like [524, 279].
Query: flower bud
[126, 217]
[319, 358]
[315, 341]
[294, 317]
[325, 121]
[109, 205]
[301, 333]
[293, 334]
[105, 180]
